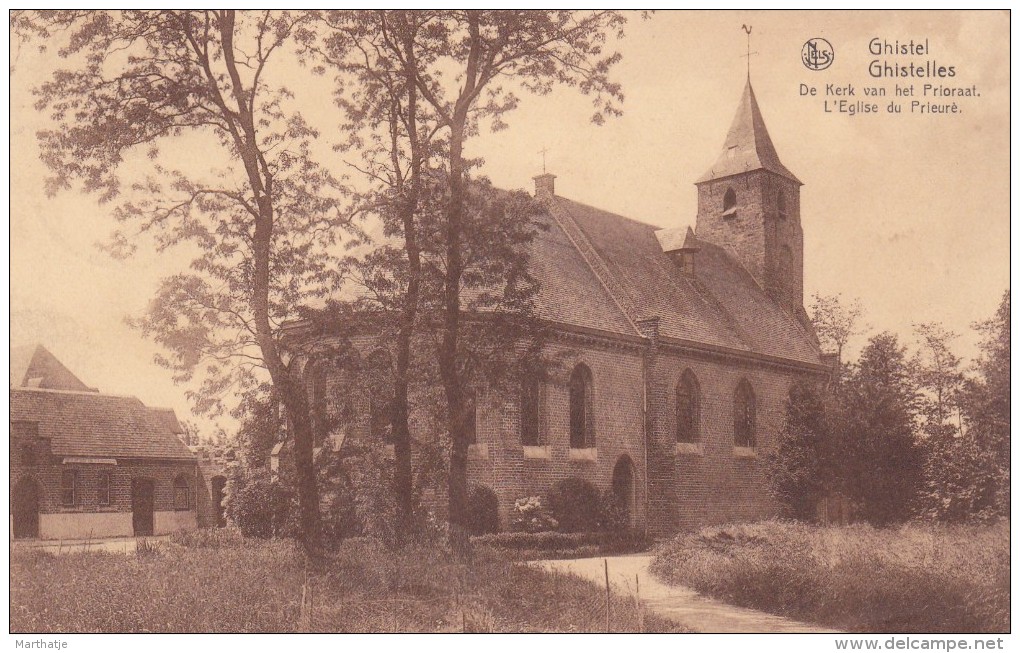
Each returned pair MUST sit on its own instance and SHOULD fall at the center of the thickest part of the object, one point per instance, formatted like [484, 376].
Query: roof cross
[543, 152]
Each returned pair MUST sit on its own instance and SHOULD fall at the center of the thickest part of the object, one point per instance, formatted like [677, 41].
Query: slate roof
[722, 306]
[748, 145]
[97, 425]
[35, 367]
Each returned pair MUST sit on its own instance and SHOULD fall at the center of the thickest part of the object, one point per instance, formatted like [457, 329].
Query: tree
[257, 207]
[986, 405]
[882, 460]
[836, 322]
[805, 466]
[410, 56]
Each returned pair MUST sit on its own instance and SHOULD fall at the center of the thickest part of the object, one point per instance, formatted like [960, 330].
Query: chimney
[545, 186]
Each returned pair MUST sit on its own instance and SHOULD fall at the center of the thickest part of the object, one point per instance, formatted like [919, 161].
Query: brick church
[682, 347]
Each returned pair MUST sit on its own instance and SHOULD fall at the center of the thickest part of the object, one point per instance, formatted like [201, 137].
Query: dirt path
[108, 544]
[679, 604]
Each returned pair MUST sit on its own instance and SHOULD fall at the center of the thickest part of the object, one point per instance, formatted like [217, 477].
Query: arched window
[531, 389]
[781, 204]
[688, 403]
[785, 263]
[582, 421]
[182, 493]
[317, 401]
[470, 416]
[729, 204]
[743, 415]
[380, 398]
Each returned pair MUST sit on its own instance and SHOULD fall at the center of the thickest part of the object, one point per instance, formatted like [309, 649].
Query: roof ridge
[583, 245]
[86, 393]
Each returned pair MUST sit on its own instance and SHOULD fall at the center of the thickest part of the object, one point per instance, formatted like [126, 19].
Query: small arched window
[743, 415]
[380, 399]
[688, 400]
[182, 493]
[781, 204]
[582, 421]
[531, 388]
[729, 204]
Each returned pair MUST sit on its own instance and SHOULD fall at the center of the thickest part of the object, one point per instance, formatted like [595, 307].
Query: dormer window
[731, 152]
[729, 204]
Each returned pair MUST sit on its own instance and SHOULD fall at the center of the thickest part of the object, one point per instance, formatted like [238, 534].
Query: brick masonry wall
[713, 484]
[686, 490]
[758, 233]
[500, 463]
[47, 471]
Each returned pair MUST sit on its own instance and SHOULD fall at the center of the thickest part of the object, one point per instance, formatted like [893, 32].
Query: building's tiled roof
[721, 306]
[35, 367]
[748, 145]
[97, 425]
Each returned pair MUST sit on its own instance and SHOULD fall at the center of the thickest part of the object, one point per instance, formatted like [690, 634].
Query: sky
[907, 212]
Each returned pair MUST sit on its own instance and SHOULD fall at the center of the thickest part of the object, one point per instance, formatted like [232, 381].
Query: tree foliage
[426, 81]
[836, 322]
[257, 213]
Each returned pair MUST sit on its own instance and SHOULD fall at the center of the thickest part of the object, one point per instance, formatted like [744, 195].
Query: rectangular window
[182, 494]
[69, 487]
[103, 489]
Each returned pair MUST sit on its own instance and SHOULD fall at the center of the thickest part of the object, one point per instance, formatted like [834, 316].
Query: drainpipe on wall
[649, 328]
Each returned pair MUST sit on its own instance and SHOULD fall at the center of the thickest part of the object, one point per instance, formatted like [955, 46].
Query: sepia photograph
[510, 321]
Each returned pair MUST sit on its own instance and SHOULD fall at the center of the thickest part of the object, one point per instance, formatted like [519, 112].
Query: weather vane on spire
[543, 152]
[747, 30]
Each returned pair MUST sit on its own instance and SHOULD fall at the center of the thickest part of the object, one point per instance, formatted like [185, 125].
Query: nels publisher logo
[817, 54]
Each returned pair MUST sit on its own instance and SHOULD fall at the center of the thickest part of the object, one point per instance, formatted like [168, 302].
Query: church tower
[749, 204]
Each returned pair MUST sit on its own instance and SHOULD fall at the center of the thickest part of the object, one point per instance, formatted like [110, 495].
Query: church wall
[502, 463]
[712, 482]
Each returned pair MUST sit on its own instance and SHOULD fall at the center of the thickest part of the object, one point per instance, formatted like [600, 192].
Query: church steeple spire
[748, 146]
[749, 204]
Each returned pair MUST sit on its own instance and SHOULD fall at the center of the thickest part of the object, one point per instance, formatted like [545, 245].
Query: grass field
[916, 578]
[221, 583]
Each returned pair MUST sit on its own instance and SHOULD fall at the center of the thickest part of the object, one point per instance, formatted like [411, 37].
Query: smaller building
[88, 465]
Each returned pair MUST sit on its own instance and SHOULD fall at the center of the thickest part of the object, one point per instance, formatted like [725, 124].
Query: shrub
[856, 578]
[530, 515]
[613, 515]
[483, 510]
[259, 506]
[574, 503]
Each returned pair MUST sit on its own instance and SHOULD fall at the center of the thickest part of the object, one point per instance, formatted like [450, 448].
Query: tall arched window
[743, 415]
[317, 400]
[531, 388]
[380, 396]
[688, 400]
[729, 203]
[582, 421]
[182, 493]
[781, 204]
